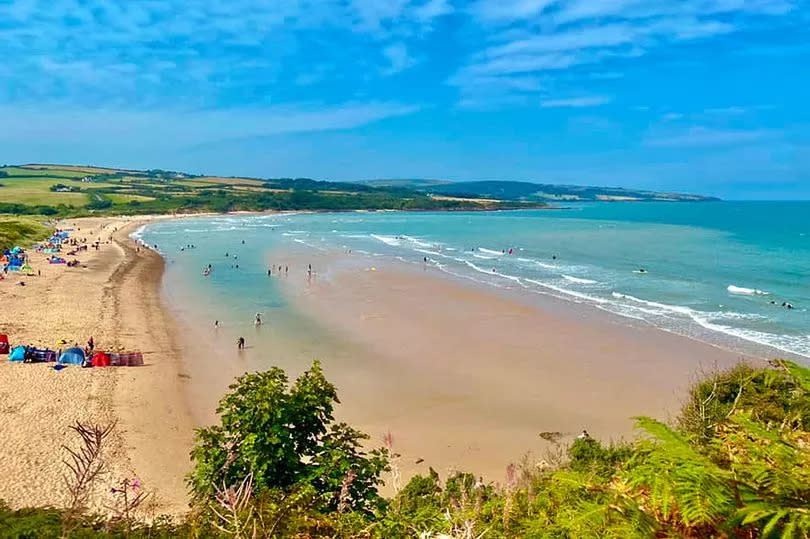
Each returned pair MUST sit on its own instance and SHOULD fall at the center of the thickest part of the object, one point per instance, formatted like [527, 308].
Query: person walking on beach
[216, 324]
[258, 321]
[240, 343]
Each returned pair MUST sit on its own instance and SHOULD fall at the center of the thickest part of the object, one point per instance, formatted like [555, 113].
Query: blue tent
[72, 356]
[17, 354]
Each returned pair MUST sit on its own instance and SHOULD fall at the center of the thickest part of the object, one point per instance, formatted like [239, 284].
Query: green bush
[284, 437]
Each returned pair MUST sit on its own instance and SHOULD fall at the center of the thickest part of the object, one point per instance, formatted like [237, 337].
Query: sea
[719, 272]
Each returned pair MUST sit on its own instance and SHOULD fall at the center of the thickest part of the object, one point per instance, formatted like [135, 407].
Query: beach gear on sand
[130, 359]
[4, 347]
[101, 359]
[72, 356]
[40, 355]
[17, 354]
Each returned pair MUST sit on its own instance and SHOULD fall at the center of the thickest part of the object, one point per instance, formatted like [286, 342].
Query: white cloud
[576, 102]
[536, 36]
[398, 58]
[506, 11]
[182, 128]
[700, 136]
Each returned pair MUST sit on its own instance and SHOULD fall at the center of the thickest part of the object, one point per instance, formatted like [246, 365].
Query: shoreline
[466, 378]
[115, 297]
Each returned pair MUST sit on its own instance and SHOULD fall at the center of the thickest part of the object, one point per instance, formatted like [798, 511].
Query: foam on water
[745, 291]
[578, 280]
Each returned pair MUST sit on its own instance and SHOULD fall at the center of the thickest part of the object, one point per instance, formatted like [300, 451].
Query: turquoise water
[717, 272]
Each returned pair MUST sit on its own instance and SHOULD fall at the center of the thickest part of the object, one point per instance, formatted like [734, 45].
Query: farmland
[68, 190]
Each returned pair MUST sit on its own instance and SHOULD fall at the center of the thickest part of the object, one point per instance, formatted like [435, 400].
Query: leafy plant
[284, 436]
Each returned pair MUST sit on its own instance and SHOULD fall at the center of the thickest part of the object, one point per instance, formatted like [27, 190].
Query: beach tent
[72, 356]
[17, 354]
[4, 348]
[101, 359]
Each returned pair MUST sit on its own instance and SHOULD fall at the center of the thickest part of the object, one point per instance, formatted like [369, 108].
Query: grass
[36, 191]
[124, 198]
[83, 170]
[228, 181]
[20, 171]
[22, 231]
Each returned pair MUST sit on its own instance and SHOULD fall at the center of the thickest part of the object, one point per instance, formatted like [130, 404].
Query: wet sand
[114, 297]
[466, 378]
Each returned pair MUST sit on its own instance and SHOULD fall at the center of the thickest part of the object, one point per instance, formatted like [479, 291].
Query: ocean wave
[485, 257]
[138, 234]
[579, 280]
[566, 292]
[490, 251]
[388, 240]
[707, 320]
[745, 291]
[419, 242]
[494, 272]
[537, 263]
[663, 306]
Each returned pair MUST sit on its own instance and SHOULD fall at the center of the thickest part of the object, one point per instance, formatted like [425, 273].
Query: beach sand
[115, 298]
[466, 378]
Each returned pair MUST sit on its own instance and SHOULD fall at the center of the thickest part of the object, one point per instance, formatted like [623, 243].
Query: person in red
[91, 344]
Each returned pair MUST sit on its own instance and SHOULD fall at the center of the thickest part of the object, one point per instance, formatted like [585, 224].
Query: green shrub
[284, 437]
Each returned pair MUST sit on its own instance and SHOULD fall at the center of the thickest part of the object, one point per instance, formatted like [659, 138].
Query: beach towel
[17, 354]
[101, 359]
[4, 347]
[40, 355]
[130, 359]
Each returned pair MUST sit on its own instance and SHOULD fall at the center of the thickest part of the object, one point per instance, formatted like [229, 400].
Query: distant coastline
[69, 191]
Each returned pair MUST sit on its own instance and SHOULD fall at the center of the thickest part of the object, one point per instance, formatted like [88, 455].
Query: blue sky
[698, 95]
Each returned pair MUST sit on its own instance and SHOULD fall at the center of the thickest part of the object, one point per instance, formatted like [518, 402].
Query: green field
[125, 198]
[20, 171]
[36, 191]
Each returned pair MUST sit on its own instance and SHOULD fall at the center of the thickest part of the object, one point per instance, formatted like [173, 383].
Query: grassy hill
[68, 190]
[529, 191]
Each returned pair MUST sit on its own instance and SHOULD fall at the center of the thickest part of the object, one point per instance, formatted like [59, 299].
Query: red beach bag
[4, 344]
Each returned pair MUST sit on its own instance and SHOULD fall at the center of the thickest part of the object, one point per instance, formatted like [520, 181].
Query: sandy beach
[114, 296]
[466, 378]
[463, 377]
